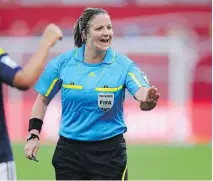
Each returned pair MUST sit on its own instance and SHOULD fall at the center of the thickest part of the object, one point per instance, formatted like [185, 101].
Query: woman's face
[100, 32]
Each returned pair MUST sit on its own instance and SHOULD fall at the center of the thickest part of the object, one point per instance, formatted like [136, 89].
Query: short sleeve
[135, 79]
[49, 82]
[8, 68]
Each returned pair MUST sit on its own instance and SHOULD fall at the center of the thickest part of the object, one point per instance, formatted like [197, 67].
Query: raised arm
[27, 76]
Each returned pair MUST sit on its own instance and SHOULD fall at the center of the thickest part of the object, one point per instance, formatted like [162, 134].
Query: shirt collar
[108, 58]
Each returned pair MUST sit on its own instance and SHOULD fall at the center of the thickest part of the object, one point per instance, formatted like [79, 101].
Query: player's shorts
[8, 171]
[98, 160]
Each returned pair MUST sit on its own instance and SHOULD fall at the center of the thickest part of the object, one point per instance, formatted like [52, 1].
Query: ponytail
[77, 34]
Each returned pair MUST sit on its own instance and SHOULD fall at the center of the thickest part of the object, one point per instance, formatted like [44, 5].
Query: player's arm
[138, 85]
[27, 76]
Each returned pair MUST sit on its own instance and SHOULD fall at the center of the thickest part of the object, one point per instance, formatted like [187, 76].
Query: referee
[92, 79]
[22, 78]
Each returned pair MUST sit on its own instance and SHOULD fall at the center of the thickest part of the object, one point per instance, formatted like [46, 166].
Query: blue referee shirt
[92, 95]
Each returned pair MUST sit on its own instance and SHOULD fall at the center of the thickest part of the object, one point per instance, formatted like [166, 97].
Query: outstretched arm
[139, 86]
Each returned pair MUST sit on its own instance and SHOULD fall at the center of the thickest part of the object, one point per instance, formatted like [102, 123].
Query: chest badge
[105, 101]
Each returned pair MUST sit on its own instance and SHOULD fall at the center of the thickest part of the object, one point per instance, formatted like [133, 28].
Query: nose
[106, 32]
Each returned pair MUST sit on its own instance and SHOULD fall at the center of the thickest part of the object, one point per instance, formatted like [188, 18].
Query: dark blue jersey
[8, 70]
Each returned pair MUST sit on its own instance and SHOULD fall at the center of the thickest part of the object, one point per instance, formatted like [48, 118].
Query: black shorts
[98, 160]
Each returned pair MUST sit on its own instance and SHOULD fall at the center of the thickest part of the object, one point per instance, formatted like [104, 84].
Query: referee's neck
[93, 56]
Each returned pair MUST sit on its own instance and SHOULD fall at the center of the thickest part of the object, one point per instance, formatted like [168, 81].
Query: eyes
[109, 27]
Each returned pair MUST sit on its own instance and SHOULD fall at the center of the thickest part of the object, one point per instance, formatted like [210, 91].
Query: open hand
[151, 99]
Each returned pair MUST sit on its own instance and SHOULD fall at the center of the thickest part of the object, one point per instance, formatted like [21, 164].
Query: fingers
[28, 152]
[151, 100]
[36, 150]
[144, 106]
[54, 29]
[157, 96]
[152, 94]
[31, 148]
[51, 34]
[57, 31]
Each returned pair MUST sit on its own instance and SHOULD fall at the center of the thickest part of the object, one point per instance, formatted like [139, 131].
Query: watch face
[31, 136]
[28, 137]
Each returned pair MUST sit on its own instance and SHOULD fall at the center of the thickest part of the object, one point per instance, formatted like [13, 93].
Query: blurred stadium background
[170, 40]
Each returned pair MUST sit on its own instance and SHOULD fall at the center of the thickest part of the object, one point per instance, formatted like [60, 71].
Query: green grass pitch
[144, 163]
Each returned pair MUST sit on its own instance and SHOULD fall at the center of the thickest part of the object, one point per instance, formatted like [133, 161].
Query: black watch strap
[32, 136]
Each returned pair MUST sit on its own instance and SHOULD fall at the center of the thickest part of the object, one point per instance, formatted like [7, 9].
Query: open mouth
[104, 40]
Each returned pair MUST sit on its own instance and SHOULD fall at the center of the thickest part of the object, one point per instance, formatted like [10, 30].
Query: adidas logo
[91, 74]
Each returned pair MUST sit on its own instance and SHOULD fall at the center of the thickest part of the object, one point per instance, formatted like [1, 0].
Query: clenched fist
[51, 34]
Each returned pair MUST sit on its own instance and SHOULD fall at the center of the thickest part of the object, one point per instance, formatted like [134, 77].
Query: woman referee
[92, 78]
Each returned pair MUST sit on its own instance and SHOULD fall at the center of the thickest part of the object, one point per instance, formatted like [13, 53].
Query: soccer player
[22, 78]
[92, 78]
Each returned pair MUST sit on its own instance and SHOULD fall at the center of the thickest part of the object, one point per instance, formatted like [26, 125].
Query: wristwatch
[32, 136]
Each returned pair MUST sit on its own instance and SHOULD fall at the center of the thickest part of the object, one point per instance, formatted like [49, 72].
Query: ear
[83, 36]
